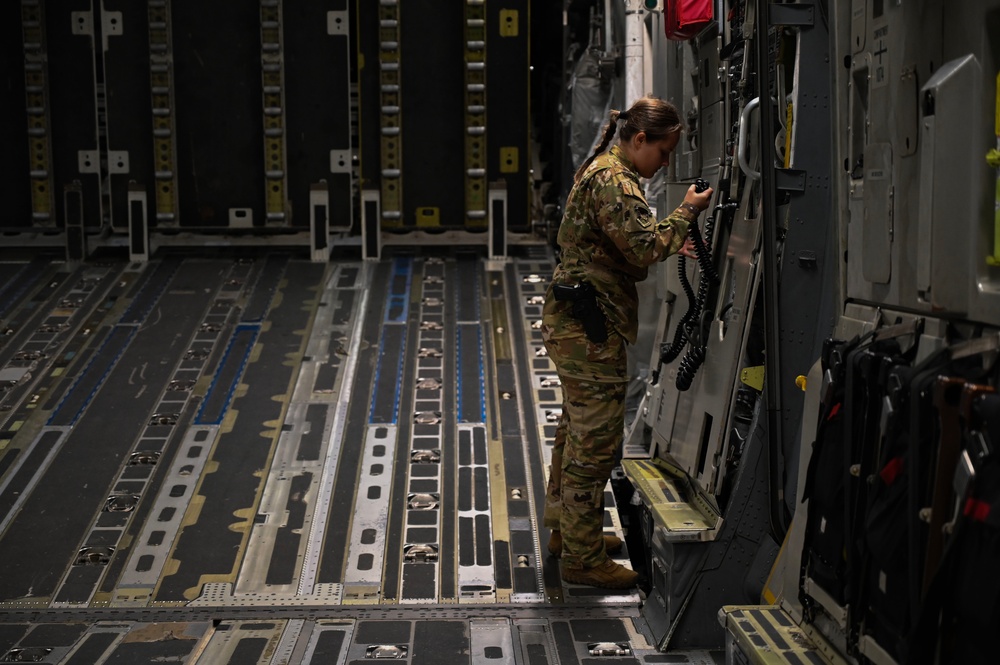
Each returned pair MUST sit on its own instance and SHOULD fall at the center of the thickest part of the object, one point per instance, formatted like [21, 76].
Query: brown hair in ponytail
[651, 115]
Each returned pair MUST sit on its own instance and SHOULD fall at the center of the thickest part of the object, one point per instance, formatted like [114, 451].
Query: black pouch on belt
[585, 309]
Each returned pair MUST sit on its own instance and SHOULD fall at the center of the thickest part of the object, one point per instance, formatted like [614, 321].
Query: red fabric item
[977, 510]
[891, 470]
[683, 19]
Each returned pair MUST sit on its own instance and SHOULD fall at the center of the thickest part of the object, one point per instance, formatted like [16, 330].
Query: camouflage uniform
[608, 238]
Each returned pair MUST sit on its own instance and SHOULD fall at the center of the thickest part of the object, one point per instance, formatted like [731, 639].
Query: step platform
[683, 511]
[767, 635]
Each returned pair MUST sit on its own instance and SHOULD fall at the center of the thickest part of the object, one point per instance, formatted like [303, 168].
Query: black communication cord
[686, 327]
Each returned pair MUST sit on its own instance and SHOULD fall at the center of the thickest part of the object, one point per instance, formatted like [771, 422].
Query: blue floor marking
[79, 377]
[398, 306]
[397, 310]
[458, 360]
[243, 327]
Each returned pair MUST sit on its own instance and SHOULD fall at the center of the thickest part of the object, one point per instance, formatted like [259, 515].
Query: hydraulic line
[768, 219]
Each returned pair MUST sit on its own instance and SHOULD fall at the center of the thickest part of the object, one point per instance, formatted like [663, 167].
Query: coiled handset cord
[683, 332]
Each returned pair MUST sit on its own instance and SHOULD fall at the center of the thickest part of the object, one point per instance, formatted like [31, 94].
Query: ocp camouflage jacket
[609, 237]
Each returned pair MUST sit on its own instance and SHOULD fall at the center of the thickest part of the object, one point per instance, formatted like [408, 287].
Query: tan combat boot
[608, 575]
[612, 544]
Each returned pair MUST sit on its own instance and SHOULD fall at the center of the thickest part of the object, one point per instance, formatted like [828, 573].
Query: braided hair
[655, 117]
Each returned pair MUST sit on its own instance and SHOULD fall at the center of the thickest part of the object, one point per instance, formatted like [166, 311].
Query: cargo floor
[266, 460]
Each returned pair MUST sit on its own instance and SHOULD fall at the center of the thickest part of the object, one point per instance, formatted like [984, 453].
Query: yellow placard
[508, 23]
[428, 216]
[508, 159]
[753, 377]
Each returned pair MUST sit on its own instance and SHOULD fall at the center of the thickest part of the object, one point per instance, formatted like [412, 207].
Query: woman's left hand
[687, 249]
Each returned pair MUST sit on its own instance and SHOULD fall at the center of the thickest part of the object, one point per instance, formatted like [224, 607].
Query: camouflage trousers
[589, 435]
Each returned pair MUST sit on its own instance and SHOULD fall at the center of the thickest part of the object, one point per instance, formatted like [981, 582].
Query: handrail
[741, 152]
